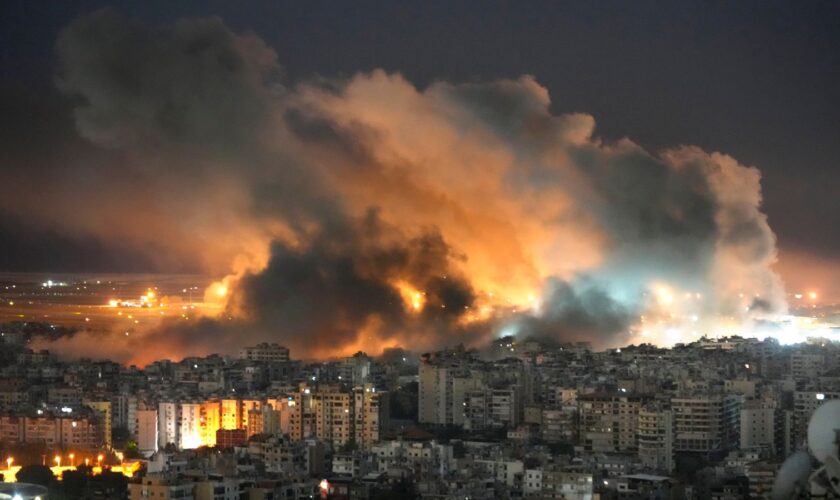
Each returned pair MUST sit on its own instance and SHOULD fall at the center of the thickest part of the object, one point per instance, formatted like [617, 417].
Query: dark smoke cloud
[196, 85]
[331, 203]
[341, 289]
[582, 313]
[342, 285]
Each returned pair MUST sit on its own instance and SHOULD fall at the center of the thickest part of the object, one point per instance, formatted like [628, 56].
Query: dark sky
[757, 80]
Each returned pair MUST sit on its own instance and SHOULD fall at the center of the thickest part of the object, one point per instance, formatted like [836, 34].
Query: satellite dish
[824, 430]
[792, 474]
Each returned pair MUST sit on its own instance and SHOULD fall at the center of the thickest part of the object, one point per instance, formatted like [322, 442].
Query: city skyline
[434, 250]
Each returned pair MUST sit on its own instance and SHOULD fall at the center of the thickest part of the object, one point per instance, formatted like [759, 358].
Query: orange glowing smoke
[414, 299]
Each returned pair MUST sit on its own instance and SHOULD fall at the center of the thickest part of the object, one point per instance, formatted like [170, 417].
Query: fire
[216, 295]
[414, 299]
[664, 295]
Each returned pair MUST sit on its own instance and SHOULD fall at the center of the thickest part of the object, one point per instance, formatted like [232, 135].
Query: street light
[72, 461]
[99, 460]
[9, 462]
[58, 460]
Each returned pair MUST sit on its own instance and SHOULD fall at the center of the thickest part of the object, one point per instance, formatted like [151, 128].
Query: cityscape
[438, 250]
[714, 418]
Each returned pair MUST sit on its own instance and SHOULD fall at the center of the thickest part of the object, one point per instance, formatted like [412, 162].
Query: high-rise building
[168, 424]
[804, 404]
[265, 420]
[245, 407]
[760, 425]
[806, 365]
[609, 421]
[559, 424]
[443, 390]
[370, 415]
[198, 424]
[231, 414]
[338, 415]
[656, 438]
[332, 416]
[705, 423]
[492, 408]
[75, 430]
[355, 370]
[104, 409]
[147, 430]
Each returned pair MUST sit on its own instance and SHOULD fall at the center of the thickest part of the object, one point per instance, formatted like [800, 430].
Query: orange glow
[199, 426]
[414, 299]
[128, 469]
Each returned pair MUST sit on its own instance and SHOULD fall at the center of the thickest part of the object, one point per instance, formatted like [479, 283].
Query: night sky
[758, 81]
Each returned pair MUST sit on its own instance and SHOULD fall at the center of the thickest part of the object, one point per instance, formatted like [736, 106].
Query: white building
[656, 438]
[442, 392]
[168, 424]
[147, 430]
[265, 352]
[759, 425]
[553, 482]
[705, 422]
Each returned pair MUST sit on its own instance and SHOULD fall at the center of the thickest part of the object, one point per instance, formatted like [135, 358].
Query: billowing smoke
[366, 212]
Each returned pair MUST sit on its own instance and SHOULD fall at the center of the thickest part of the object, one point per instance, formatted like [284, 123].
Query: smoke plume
[365, 212]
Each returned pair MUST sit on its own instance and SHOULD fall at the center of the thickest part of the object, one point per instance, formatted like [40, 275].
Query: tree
[73, 483]
[403, 402]
[109, 484]
[120, 436]
[35, 474]
[131, 450]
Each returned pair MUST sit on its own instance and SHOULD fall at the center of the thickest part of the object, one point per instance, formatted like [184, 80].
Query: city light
[609, 250]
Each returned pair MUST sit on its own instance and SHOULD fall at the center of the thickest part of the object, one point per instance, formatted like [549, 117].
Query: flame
[414, 299]
[664, 295]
